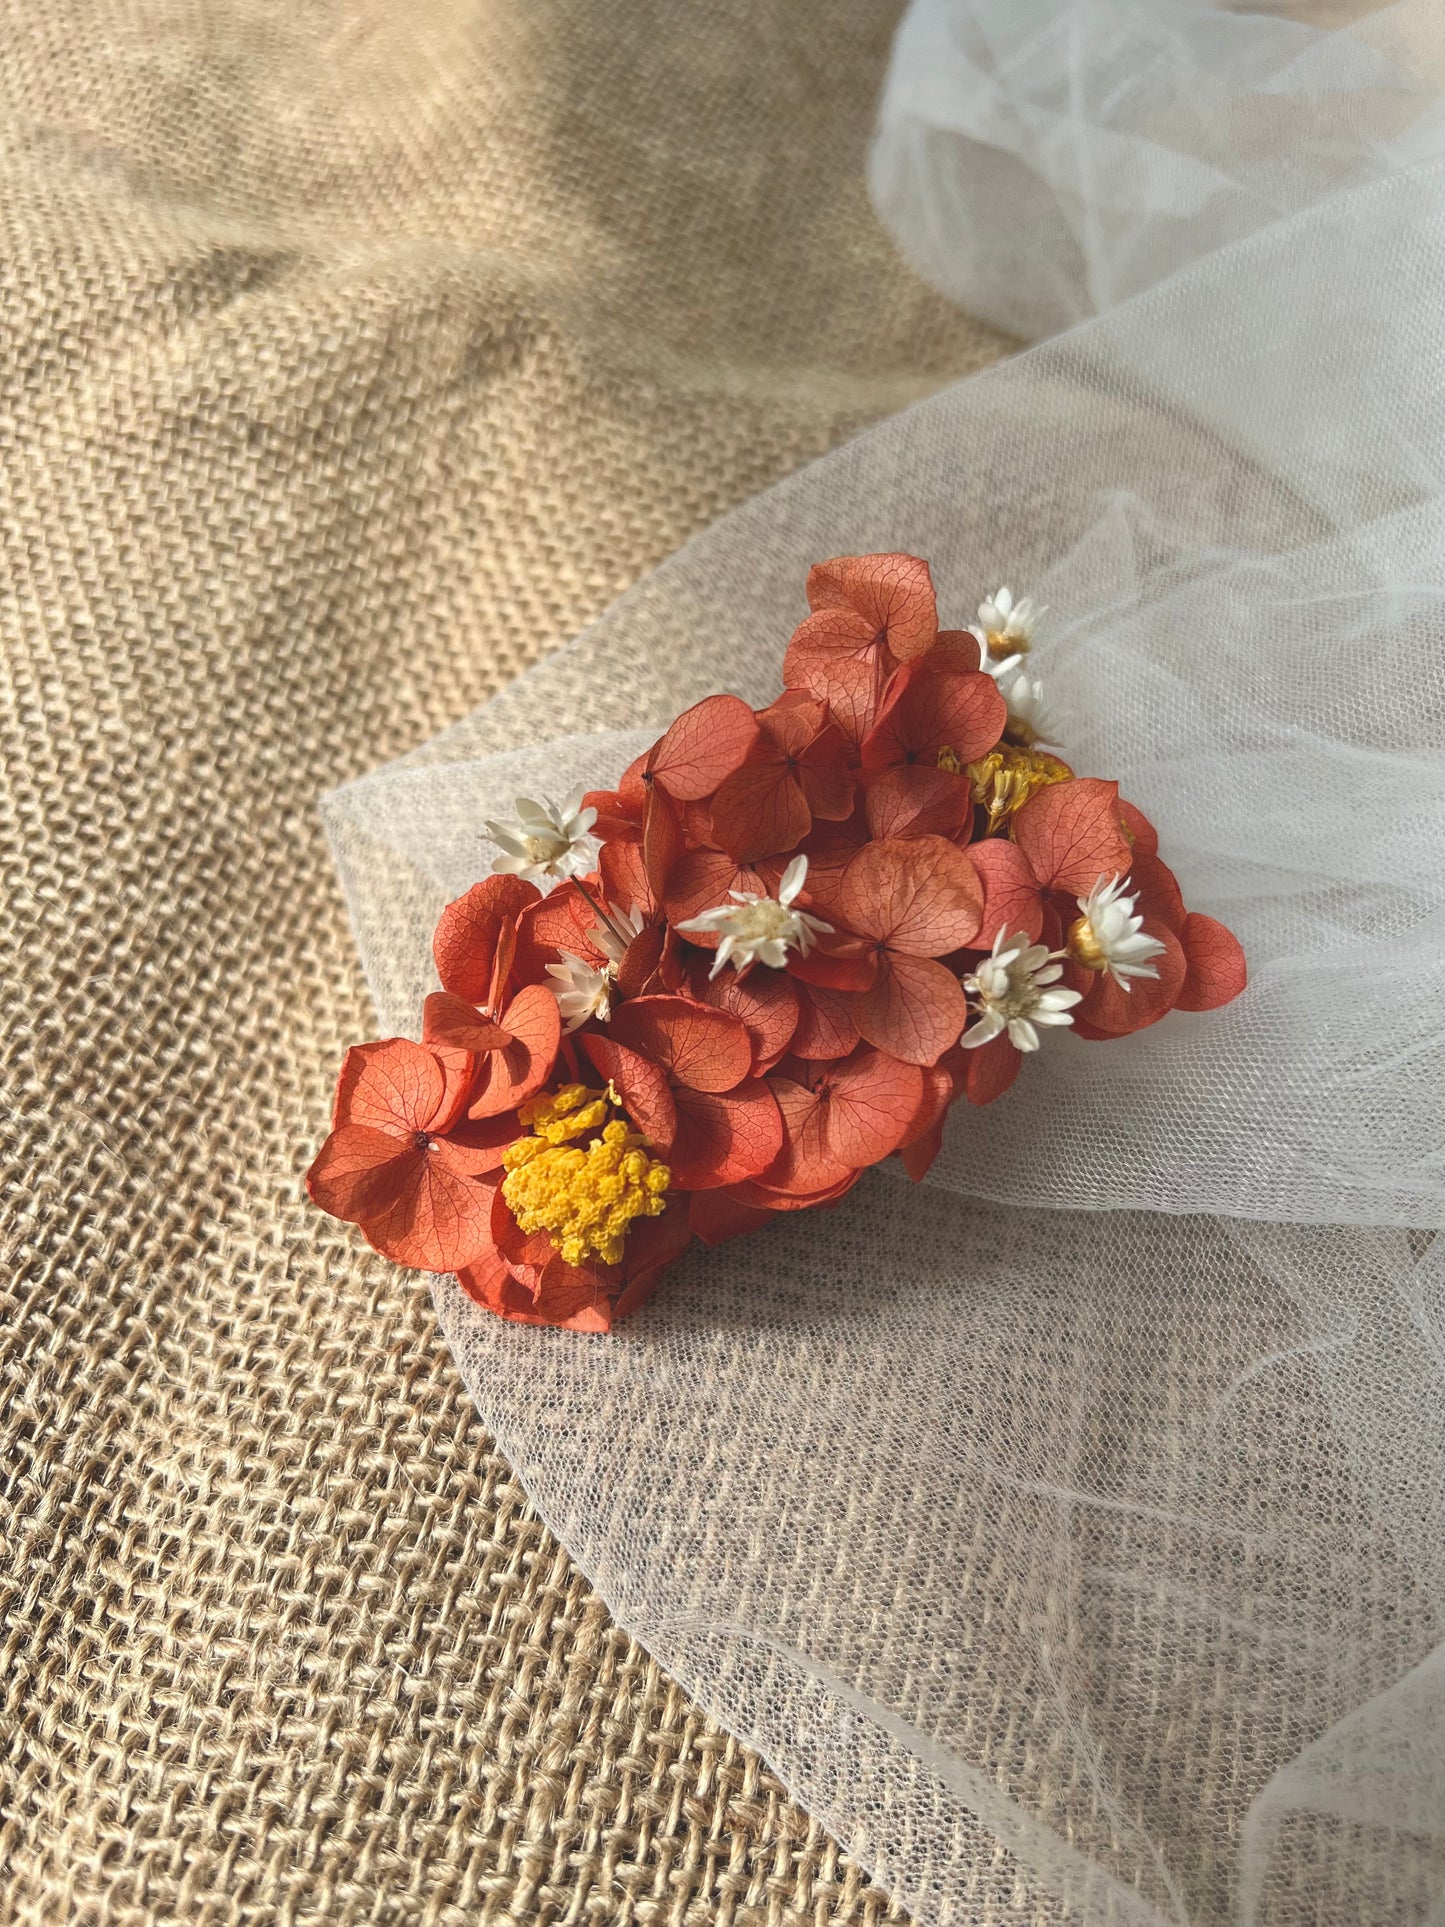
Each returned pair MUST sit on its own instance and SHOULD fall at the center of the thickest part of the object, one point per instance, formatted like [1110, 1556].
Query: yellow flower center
[583, 1196]
[998, 645]
[948, 759]
[1005, 779]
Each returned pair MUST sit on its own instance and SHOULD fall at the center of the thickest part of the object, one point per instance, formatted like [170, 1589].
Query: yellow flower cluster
[1005, 779]
[584, 1198]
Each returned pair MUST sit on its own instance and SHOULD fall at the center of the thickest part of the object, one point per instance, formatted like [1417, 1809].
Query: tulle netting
[1087, 1501]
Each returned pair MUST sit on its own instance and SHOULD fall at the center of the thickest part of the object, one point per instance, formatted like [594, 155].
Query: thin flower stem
[621, 935]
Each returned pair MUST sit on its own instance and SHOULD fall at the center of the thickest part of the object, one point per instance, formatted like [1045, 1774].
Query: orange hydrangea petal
[641, 1084]
[705, 744]
[465, 942]
[991, 1069]
[1216, 971]
[919, 895]
[766, 1002]
[1012, 900]
[723, 1136]
[1071, 834]
[915, 1010]
[403, 1087]
[912, 799]
[509, 1076]
[698, 1045]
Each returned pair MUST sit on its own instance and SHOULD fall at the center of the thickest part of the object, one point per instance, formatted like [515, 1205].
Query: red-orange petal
[915, 1010]
[920, 895]
[991, 1069]
[1071, 835]
[765, 1000]
[403, 1087]
[760, 809]
[510, 1076]
[446, 1019]
[1012, 900]
[723, 1136]
[825, 1029]
[698, 1045]
[466, 934]
[1216, 973]
[870, 1101]
[642, 1085]
[913, 800]
[705, 744]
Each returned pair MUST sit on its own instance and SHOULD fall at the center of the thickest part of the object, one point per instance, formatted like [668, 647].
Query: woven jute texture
[351, 356]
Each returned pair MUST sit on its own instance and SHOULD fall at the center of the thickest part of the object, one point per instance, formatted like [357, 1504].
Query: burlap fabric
[353, 356]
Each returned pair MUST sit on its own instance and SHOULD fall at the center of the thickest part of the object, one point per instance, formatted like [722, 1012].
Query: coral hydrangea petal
[930, 707]
[641, 1084]
[441, 1221]
[824, 1029]
[360, 1172]
[850, 684]
[893, 592]
[1011, 898]
[919, 895]
[723, 1136]
[837, 962]
[518, 1071]
[1156, 892]
[766, 1002]
[625, 886]
[1071, 834]
[805, 1161]
[716, 1216]
[760, 809]
[465, 942]
[913, 800]
[403, 1087]
[663, 843]
[446, 1019]
[1216, 970]
[990, 1070]
[915, 1010]
[870, 1101]
[475, 1146]
[640, 961]
[561, 922]
[705, 744]
[702, 881]
[696, 1044]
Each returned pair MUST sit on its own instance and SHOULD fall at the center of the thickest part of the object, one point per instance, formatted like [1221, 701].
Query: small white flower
[1011, 989]
[1109, 935]
[762, 930]
[584, 990]
[1027, 720]
[545, 844]
[1005, 629]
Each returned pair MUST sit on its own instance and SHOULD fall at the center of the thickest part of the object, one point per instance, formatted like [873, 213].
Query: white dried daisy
[1109, 935]
[1013, 991]
[1028, 721]
[545, 844]
[761, 930]
[1005, 630]
[584, 990]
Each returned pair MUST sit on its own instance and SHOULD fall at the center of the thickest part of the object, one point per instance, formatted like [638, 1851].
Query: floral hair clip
[776, 954]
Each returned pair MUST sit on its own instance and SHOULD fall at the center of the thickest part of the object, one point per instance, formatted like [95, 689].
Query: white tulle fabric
[1068, 1533]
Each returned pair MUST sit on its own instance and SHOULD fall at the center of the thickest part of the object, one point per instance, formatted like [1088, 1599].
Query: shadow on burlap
[354, 357]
